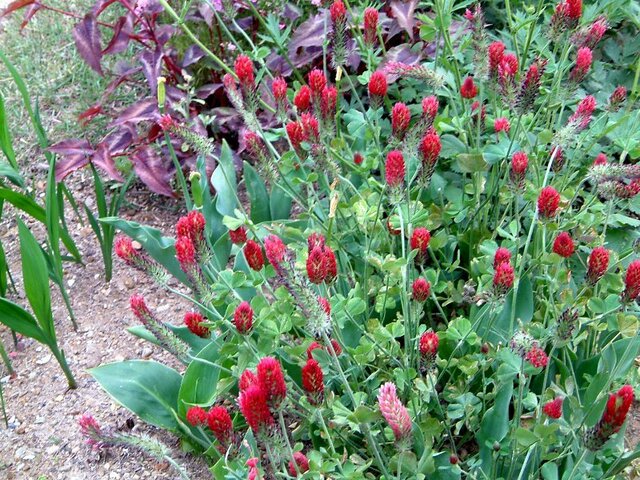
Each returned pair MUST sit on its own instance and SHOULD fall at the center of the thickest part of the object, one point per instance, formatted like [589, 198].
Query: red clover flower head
[421, 290]
[238, 236]
[430, 107]
[501, 124]
[553, 408]
[537, 357]
[428, 347]
[394, 169]
[563, 245]
[243, 317]
[302, 99]
[400, 119]
[196, 416]
[244, 71]
[193, 321]
[496, 52]
[420, 239]
[468, 88]
[316, 266]
[253, 255]
[271, 380]
[632, 282]
[503, 278]
[502, 255]
[598, 264]
[313, 381]
[253, 406]
[300, 461]
[548, 202]
[220, 424]
[370, 25]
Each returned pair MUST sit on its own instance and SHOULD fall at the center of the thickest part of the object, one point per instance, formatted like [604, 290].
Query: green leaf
[159, 247]
[471, 163]
[6, 145]
[147, 388]
[36, 280]
[523, 313]
[17, 318]
[280, 204]
[224, 181]
[494, 425]
[258, 195]
[200, 380]
[183, 333]
[13, 175]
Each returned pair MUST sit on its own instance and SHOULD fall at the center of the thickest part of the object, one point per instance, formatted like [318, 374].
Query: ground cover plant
[418, 267]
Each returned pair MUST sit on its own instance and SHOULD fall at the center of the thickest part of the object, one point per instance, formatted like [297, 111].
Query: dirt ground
[43, 439]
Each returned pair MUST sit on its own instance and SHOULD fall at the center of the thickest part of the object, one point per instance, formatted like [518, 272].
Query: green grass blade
[5, 137]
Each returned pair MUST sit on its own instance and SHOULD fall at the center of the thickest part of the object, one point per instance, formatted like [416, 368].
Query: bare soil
[43, 439]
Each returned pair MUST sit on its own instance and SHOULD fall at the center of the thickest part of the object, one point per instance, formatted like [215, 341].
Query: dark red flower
[302, 463]
[243, 317]
[316, 266]
[357, 158]
[271, 380]
[573, 9]
[338, 12]
[302, 100]
[331, 264]
[618, 96]
[501, 125]
[310, 127]
[196, 416]
[548, 202]
[336, 347]
[370, 25]
[220, 424]
[378, 84]
[531, 85]
[244, 71]
[601, 159]
[328, 102]
[519, 164]
[421, 290]
[468, 89]
[313, 346]
[193, 321]
[508, 68]
[191, 226]
[503, 278]
[496, 52]
[312, 381]
[253, 405]
[253, 255]
[185, 253]
[537, 357]
[400, 118]
[166, 122]
[563, 245]
[598, 264]
[238, 236]
[429, 342]
[296, 134]
[275, 250]
[124, 249]
[315, 240]
[317, 82]
[632, 282]
[553, 409]
[584, 58]
[279, 89]
[502, 255]
[618, 407]
[139, 308]
[430, 147]
[430, 107]
[394, 169]
[581, 118]
[247, 379]
[420, 239]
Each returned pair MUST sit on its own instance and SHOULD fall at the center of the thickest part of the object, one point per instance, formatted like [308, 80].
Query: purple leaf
[28, 15]
[103, 159]
[75, 153]
[119, 140]
[100, 5]
[192, 55]
[207, 90]
[122, 31]
[151, 67]
[151, 169]
[16, 5]
[146, 109]
[403, 13]
[87, 37]
[309, 33]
